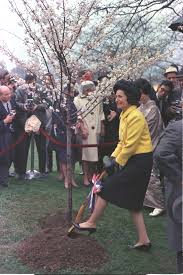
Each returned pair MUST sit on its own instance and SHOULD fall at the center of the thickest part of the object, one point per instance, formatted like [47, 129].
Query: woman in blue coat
[59, 132]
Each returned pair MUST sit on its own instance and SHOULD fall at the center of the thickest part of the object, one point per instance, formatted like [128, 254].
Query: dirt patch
[53, 220]
[51, 249]
[7, 249]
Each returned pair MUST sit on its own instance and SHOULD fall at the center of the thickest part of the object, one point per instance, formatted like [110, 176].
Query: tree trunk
[69, 165]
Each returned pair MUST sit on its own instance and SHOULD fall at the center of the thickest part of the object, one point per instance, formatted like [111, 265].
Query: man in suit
[29, 100]
[174, 110]
[7, 104]
[168, 155]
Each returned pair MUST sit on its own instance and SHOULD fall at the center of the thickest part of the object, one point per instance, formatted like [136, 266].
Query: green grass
[23, 203]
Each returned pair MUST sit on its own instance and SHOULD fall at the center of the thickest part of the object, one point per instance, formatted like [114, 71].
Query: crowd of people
[134, 122]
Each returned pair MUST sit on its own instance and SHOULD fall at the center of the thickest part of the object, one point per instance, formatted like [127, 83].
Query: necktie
[7, 107]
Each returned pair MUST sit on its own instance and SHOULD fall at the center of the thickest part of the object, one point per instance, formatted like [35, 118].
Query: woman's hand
[111, 116]
[98, 187]
[109, 165]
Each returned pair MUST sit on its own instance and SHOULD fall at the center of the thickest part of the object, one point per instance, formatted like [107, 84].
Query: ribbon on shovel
[88, 200]
[97, 186]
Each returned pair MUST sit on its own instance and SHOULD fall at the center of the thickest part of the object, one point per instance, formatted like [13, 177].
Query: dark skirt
[127, 187]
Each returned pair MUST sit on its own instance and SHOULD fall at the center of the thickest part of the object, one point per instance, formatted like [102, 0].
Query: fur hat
[32, 124]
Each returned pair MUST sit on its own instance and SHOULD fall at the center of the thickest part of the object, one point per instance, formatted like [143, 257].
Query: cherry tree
[63, 36]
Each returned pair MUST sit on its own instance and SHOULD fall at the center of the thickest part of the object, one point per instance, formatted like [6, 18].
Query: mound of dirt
[51, 249]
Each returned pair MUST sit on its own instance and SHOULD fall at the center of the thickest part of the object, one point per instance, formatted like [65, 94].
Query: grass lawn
[23, 203]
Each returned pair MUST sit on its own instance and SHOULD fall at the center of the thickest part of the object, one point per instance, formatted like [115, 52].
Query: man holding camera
[7, 115]
[174, 110]
[29, 99]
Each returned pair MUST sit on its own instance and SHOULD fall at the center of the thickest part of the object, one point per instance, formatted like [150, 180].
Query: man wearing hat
[168, 155]
[171, 74]
[174, 111]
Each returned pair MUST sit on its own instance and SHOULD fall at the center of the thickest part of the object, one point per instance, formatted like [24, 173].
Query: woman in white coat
[91, 123]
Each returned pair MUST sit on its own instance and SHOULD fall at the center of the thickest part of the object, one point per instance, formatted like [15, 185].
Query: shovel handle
[104, 173]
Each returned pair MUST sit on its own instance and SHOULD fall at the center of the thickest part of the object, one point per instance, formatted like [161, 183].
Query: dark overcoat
[168, 155]
[5, 135]
[21, 94]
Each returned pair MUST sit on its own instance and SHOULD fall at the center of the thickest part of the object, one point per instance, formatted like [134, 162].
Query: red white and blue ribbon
[97, 185]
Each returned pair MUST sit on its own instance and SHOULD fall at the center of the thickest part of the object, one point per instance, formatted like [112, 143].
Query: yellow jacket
[134, 136]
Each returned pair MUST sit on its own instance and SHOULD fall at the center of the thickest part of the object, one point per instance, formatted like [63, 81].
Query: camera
[12, 112]
[29, 103]
[177, 105]
[12, 80]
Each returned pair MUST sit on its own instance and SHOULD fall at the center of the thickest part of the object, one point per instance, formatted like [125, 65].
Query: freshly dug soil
[51, 249]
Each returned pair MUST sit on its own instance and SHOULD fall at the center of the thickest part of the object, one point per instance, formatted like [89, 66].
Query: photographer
[29, 98]
[7, 115]
[174, 110]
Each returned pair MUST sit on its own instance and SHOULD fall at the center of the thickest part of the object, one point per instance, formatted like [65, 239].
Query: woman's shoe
[89, 229]
[156, 212]
[142, 247]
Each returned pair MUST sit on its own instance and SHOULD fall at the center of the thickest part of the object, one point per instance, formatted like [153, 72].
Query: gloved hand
[98, 186]
[109, 165]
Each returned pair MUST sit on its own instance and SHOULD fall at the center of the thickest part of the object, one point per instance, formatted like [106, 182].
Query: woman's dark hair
[132, 94]
[167, 83]
[145, 87]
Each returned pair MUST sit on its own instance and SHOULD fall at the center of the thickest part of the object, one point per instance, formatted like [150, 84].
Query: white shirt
[5, 106]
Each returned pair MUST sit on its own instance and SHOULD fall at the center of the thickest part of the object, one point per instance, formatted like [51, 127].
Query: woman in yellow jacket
[127, 187]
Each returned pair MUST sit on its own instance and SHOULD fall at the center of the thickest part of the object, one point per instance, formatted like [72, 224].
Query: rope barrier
[12, 146]
[53, 140]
